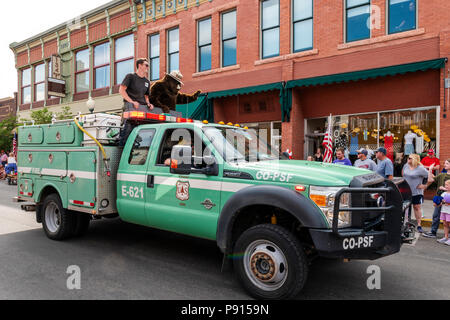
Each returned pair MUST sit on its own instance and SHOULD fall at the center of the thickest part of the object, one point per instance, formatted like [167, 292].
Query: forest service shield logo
[183, 191]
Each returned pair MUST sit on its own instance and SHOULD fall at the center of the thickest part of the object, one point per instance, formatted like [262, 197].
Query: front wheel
[270, 263]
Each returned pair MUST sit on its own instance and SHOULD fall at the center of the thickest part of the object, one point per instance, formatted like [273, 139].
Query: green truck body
[230, 202]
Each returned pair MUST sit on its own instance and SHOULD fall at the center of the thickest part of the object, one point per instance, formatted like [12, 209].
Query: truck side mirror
[212, 168]
[181, 159]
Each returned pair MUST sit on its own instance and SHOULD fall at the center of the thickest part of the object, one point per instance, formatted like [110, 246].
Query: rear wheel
[270, 263]
[58, 223]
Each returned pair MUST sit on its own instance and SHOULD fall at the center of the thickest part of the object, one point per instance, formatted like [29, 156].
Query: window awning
[200, 109]
[246, 90]
[368, 74]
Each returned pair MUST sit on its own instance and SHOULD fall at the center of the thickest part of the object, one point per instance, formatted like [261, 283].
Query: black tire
[58, 223]
[251, 265]
[81, 225]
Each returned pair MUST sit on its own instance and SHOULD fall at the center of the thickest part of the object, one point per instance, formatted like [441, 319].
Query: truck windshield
[236, 145]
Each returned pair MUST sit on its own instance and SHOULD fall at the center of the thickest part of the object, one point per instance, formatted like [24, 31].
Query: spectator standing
[364, 162]
[318, 156]
[11, 166]
[445, 213]
[431, 159]
[4, 158]
[415, 173]
[341, 159]
[385, 167]
[440, 181]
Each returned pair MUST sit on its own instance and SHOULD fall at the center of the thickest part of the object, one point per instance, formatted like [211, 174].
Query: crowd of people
[8, 164]
[419, 173]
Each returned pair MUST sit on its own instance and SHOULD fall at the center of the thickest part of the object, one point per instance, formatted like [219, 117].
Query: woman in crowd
[318, 156]
[415, 173]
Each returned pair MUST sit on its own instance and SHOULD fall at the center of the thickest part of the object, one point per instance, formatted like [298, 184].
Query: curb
[427, 223]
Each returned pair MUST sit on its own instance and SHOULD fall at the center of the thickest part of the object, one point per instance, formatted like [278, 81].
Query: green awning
[189, 108]
[246, 90]
[201, 109]
[368, 74]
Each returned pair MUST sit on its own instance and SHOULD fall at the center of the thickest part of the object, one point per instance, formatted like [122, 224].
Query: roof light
[229, 124]
[246, 128]
[221, 122]
[237, 125]
[205, 121]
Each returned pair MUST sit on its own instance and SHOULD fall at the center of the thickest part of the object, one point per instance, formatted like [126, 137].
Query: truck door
[132, 178]
[187, 204]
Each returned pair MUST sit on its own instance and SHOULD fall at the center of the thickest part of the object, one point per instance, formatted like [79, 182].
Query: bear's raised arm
[187, 98]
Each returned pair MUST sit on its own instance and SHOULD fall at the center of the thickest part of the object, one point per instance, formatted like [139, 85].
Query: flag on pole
[15, 144]
[328, 143]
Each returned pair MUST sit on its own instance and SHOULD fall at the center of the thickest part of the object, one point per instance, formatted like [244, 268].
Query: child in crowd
[445, 212]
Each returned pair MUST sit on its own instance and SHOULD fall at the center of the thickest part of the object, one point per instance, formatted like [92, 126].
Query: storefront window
[401, 133]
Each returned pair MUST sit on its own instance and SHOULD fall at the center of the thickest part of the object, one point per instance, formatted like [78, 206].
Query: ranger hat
[176, 74]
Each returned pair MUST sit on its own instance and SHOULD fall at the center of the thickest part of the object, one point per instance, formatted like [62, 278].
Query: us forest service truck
[270, 217]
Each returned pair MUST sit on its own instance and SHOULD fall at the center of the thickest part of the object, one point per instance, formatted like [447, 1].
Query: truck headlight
[324, 198]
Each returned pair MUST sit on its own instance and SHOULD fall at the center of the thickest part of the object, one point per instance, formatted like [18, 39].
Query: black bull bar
[382, 240]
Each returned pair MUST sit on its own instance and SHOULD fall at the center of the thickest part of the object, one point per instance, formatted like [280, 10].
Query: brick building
[7, 107]
[378, 66]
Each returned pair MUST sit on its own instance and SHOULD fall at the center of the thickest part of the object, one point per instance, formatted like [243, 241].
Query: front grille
[367, 220]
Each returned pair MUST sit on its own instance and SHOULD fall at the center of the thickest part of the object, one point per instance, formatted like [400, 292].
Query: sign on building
[56, 67]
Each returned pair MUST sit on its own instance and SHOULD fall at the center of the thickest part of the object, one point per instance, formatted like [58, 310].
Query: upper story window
[173, 37]
[402, 15]
[204, 45]
[154, 56]
[101, 66]
[82, 71]
[357, 19]
[302, 19]
[270, 28]
[26, 86]
[124, 57]
[229, 39]
[39, 82]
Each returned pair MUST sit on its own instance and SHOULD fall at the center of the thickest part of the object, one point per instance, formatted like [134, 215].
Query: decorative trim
[214, 10]
[381, 39]
[301, 54]
[215, 71]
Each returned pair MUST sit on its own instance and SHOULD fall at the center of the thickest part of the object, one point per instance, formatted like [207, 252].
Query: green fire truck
[270, 216]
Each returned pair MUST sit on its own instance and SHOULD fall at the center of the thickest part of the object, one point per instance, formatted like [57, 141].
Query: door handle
[150, 181]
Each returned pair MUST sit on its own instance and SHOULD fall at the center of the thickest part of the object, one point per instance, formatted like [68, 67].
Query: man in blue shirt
[385, 166]
[341, 159]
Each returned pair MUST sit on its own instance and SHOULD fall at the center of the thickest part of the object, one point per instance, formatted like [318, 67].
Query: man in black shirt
[135, 90]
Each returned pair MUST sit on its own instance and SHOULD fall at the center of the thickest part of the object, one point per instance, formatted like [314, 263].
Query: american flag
[15, 144]
[328, 143]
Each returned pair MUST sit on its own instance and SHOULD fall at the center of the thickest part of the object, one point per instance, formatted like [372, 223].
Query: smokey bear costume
[165, 93]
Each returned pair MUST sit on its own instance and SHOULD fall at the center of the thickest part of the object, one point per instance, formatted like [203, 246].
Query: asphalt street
[122, 261]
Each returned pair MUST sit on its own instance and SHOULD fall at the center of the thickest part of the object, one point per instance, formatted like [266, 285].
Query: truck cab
[269, 216]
